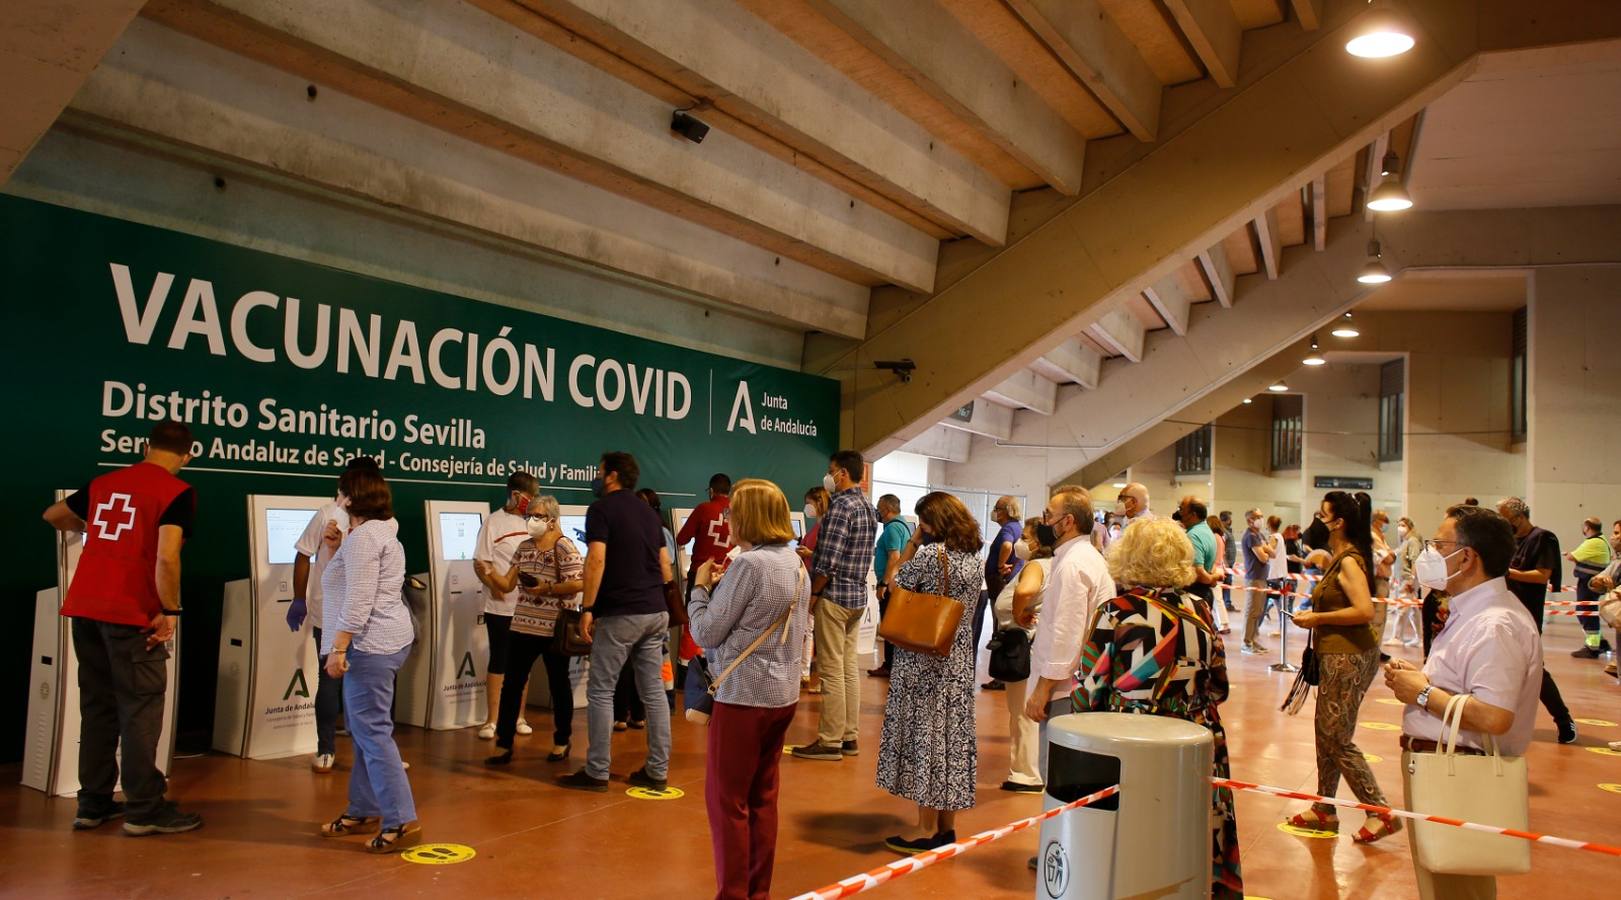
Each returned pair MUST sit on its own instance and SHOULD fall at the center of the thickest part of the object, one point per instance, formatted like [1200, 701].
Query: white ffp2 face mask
[829, 484]
[810, 510]
[1431, 568]
[538, 525]
[1021, 549]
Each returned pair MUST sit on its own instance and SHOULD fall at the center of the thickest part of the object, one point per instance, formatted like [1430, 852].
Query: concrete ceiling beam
[47, 51]
[1271, 241]
[1309, 13]
[940, 442]
[1218, 270]
[1319, 211]
[1170, 299]
[1121, 332]
[1371, 176]
[987, 419]
[469, 74]
[928, 45]
[1086, 39]
[712, 53]
[1212, 28]
[1071, 361]
[1026, 390]
[178, 92]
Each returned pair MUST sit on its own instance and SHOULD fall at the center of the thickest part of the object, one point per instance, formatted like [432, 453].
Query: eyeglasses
[1431, 544]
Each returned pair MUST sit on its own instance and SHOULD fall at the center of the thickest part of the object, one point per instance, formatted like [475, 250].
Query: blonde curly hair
[1152, 553]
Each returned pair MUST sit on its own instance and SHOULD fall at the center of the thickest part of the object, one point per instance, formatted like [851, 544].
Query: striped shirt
[844, 548]
[751, 598]
[362, 585]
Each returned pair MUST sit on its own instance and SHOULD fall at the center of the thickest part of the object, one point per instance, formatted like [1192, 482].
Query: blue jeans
[328, 704]
[641, 640]
[377, 785]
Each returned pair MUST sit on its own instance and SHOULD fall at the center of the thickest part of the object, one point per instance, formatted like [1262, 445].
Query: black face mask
[931, 538]
[1046, 535]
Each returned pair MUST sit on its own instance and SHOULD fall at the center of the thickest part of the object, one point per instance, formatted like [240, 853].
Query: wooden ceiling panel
[1341, 187]
[1291, 220]
[1006, 35]
[1242, 254]
[1257, 13]
[816, 33]
[1147, 25]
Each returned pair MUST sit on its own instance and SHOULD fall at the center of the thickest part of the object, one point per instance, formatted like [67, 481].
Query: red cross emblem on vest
[114, 517]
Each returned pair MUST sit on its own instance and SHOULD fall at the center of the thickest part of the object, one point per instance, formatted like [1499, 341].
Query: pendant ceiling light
[1374, 271]
[1248, 401]
[1278, 386]
[1381, 33]
[1390, 195]
[1346, 328]
[1315, 357]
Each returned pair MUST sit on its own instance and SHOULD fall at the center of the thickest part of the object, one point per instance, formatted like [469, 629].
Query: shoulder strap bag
[700, 688]
[1490, 790]
[923, 623]
[568, 637]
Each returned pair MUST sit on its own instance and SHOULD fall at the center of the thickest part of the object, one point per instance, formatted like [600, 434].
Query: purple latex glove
[296, 613]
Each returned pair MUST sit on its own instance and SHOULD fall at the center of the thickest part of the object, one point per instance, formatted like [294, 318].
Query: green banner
[284, 369]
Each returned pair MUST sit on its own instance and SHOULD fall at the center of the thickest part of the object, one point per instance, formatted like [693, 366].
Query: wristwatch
[171, 612]
[1423, 699]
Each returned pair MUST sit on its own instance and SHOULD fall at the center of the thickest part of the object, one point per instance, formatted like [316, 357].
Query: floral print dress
[1155, 652]
[928, 752]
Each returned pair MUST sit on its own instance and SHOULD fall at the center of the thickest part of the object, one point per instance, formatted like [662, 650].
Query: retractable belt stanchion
[1283, 665]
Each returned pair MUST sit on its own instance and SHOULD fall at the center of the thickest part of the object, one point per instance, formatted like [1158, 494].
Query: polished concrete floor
[533, 839]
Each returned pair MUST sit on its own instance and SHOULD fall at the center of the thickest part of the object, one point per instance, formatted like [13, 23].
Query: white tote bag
[1489, 790]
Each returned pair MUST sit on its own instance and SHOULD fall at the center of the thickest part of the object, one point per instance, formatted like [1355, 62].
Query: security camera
[688, 127]
[901, 367]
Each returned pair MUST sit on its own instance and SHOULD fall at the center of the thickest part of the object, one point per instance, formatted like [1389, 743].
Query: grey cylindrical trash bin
[1150, 840]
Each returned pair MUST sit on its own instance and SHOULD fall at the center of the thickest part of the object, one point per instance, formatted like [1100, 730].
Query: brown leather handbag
[923, 623]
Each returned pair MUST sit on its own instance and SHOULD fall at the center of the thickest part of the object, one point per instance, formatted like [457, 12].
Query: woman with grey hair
[547, 571]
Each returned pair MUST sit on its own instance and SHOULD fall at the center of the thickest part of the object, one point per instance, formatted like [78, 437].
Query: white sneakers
[486, 732]
[523, 727]
[322, 763]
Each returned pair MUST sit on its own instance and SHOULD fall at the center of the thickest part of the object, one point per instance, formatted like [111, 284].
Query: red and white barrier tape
[1419, 817]
[866, 881]
[1403, 601]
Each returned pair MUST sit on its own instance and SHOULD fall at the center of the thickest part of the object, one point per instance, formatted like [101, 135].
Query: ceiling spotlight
[1346, 328]
[1381, 33]
[1278, 387]
[1119, 485]
[1374, 271]
[1248, 401]
[1315, 357]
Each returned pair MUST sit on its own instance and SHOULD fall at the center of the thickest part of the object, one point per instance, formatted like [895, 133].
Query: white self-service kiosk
[683, 559]
[264, 705]
[453, 639]
[51, 749]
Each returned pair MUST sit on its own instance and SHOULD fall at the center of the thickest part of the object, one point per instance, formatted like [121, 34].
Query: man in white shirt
[498, 542]
[310, 556]
[1489, 649]
[1078, 583]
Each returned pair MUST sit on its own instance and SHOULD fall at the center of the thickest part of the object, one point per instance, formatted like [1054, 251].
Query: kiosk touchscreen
[683, 555]
[797, 519]
[452, 636]
[264, 705]
[51, 749]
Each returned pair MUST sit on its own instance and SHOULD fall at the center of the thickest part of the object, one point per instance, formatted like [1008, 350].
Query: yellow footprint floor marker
[1286, 828]
[669, 793]
[1390, 701]
[439, 854]
[1380, 726]
[1596, 723]
[1604, 751]
[1612, 788]
[1373, 758]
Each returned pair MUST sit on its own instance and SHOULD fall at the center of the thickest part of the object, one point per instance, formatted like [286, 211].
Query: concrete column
[1574, 393]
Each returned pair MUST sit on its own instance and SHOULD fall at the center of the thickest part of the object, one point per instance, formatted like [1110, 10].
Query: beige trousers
[1024, 750]
[838, 663]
